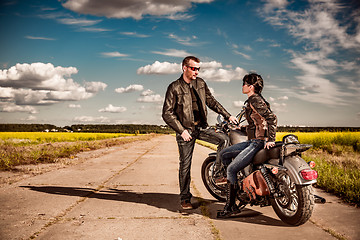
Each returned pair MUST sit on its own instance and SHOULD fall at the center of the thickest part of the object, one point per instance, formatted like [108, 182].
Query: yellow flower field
[322, 139]
[46, 137]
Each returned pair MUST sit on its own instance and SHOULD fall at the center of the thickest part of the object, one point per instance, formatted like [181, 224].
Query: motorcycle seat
[265, 154]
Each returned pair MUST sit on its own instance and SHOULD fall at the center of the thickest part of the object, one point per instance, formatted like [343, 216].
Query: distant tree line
[27, 127]
[121, 128]
[317, 129]
[142, 128]
[100, 128]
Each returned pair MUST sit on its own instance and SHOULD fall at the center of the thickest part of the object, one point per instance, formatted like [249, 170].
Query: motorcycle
[277, 176]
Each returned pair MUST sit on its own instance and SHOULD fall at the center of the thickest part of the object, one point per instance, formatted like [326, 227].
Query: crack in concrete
[61, 216]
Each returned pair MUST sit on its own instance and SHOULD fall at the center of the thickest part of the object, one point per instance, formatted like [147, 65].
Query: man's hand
[233, 120]
[269, 145]
[186, 135]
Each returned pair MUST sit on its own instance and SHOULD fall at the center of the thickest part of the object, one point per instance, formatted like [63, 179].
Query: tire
[207, 167]
[295, 204]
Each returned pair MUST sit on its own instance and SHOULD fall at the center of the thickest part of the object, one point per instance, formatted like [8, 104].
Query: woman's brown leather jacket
[262, 121]
[177, 109]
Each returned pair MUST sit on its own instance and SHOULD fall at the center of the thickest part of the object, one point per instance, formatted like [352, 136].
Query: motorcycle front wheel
[295, 203]
[207, 173]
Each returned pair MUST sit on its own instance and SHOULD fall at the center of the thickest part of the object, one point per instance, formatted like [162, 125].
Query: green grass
[338, 174]
[13, 154]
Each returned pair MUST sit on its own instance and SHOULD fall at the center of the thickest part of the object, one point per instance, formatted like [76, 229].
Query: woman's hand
[268, 145]
[233, 120]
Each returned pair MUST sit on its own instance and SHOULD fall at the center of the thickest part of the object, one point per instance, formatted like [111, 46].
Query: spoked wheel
[207, 173]
[295, 203]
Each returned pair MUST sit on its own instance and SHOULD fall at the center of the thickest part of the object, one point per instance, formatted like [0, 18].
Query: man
[185, 111]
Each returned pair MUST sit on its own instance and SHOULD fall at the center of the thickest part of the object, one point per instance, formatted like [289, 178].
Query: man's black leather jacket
[177, 109]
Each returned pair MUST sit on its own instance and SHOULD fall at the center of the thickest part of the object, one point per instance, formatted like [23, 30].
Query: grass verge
[338, 174]
[12, 155]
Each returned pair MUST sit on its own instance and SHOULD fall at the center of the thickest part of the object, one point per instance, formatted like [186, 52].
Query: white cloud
[30, 118]
[238, 104]
[325, 40]
[187, 41]
[222, 75]
[6, 93]
[211, 71]
[248, 57]
[173, 53]
[74, 106]
[15, 108]
[172, 9]
[130, 88]
[93, 29]
[79, 22]
[94, 87]
[114, 54]
[40, 83]
[134, 34]
[37, 76]
[147, 92]
[112, 109]
[320, 90]
[155, 98]
[91, 119]
[212, 64]
[40, 38]
[278, 107]
[283, 98]
[160, 68]
[271, 5]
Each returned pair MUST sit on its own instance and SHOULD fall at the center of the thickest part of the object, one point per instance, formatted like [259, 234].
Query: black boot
[230, 209]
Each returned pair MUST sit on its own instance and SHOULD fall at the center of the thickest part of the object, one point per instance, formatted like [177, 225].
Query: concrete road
[131, 192]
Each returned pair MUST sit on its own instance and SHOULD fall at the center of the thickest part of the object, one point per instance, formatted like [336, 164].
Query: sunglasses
[194, 68]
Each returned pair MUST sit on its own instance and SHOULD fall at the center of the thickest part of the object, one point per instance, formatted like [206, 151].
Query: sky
[110, 62]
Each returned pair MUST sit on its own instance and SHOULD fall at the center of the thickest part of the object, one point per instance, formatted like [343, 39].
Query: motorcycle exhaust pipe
[319, 199]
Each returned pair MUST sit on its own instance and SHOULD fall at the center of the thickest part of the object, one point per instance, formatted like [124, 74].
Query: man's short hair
[187, 60]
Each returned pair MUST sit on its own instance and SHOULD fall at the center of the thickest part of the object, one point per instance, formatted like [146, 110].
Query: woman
[261, 130]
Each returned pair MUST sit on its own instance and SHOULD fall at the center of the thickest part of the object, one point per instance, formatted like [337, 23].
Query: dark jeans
[242, 153]
[186, 150]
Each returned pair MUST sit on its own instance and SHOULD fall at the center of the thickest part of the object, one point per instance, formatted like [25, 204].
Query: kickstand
[319, 199]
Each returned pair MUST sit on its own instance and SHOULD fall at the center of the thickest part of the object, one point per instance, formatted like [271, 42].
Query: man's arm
[168, 113]
[214, 105]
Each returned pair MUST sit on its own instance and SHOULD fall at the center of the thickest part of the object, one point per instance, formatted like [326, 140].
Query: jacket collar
[193, 83]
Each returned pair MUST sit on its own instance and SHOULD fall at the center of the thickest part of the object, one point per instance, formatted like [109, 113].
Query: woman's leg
[227, 154]
[243, 159]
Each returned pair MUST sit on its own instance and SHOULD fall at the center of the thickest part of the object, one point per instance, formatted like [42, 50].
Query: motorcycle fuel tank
[236, 136]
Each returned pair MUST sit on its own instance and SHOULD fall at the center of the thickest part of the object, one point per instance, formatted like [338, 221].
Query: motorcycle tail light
[312, 164]
[275, 170]
[309, 174]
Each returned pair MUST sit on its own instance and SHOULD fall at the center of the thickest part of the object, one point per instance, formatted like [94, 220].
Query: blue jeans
[242, 153]
[186, 150]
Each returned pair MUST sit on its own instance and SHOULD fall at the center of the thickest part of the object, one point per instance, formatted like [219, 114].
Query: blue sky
[110, 62]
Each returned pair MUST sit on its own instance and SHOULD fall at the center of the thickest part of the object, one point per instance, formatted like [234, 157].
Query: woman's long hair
[258, 83]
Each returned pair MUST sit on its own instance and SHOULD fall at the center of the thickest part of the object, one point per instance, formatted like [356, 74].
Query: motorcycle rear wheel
[207, 173]
[295, 204]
